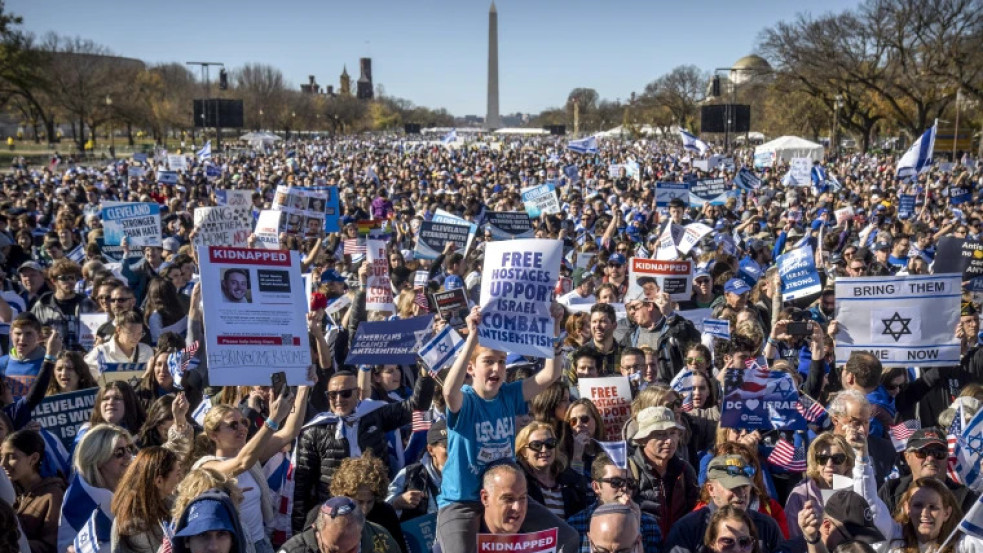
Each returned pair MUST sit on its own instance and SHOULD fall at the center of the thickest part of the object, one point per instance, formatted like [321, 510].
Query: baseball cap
[853, 515]
[437, 432]
[33, 265]
[331, 276]
[617, 258]
[171, 244]
[700, 273]
[730, 471]
[881, 247]
[924, 437]
[205, 516]
[653, 419]
[736, 286]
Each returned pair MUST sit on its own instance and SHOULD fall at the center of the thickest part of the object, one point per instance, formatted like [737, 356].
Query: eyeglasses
[120, 300]
[582, 419]
[837, 458]
[123, 452]
[735, 470]
[695, 360]
[343, 506]
[742, 543]
[539, 445]
[67, 278]
[234, 425]
[344, 394]
[619, 483]
[673, 405]
[102, 298]
[937, 454]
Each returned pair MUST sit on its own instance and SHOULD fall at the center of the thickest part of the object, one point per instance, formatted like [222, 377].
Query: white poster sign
[223, 226]
[378, 291]
[648, 277]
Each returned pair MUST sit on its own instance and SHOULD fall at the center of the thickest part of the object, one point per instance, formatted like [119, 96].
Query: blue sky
[433, 52]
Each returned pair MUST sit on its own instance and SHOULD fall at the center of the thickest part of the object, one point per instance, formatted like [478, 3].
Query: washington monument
[492, 118]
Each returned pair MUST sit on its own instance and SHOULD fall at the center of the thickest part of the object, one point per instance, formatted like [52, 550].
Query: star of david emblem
[975, 444]
[442, 347]
[890, 330]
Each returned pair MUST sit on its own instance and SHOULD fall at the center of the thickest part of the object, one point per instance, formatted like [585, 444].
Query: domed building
[748, 68]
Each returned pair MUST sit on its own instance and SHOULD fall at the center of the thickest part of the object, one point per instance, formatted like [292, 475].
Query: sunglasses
[619, 483]
[735, 470]
[582, 419]
[344, 394]
[837, 458]
[743, 542]
[615, 265]
[102, 298]
[937, 454]
[539, 445]
[234, 425]
[119, 300]
[694, 360]
[123, 452]
[673, 405]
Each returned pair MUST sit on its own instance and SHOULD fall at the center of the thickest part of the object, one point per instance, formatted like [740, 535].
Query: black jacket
[681, 489]
[883, 456]
[687, 533]
[677, 334]
[573, 486]
[892, 490]
[319, 453]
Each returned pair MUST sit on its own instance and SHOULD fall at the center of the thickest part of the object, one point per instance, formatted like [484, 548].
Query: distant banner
[441, 216]
[420, 532]
[906, 206]
[958, 195]
[64, 414]
[167, 177]
[517, 284]
[764, 159]
[332, 210]
[696, 316]
[223, 226]
[234, 198]
[801, 170]
[389, 342]
[177, 162]
[712, 191]
[504, 225]
[746, 180]
[378, 289]
[903, 320]
[756, 398]
[612, 397]
[648, 277]
[665, 192]
[540, 200]
[452, 306]
[255, 308]
[138, 222]
[797, 269]
[432, 237]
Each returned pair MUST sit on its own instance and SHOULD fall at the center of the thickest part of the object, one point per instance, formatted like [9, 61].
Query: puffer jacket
[668, 498]
[320, 452]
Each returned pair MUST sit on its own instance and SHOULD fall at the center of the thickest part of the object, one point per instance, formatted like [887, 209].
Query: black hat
[437, 432]
[924, 437]
[856, 520]
[968, 309]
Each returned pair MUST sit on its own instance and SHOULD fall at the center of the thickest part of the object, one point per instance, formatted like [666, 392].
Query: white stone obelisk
[492, 118]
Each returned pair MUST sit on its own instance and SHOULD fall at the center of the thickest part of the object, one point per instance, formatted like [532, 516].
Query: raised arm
[252, 452]
[453, 397]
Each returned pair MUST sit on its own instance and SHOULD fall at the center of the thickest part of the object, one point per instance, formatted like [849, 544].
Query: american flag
[810, 409]
[189, 353]
[421, 302]
[420, 424]
[787, 456]
[352, 247]
[952, 439]
[902, 431]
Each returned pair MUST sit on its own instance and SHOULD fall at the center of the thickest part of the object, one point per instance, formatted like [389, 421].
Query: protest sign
[420, 278]
[843, 215]
[801, 170]
[138, 222]
[797, 269]
[692, 234]
[136, 172]
[64, 414]
[420, 532]
[378, 289]
[958, 195]
[612, 397]
[254, 315]
[268, 229]
[648, 277]
[332, 210]
[666, 246]
[543, 541]
[764, 159]
[90, 322]
[958, 255]
[906, 206]
[696, 316]
[900, 320]
[303, 210]
[167, 177]
[517, 283]
[441, 216]
[540, 200]
[432, 237]
[717, 328]
[389, 342]
[712, 191]
[668, 191]
[222, 226]
[234, 198]
[756, 398]
[177, 162]
[504, 225]
[212, 172]
[452, 306]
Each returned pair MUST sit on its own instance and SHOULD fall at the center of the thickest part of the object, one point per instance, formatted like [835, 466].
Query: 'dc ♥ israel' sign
[517, 283]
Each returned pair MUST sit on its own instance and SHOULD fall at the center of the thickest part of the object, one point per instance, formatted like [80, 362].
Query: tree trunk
[129, 134]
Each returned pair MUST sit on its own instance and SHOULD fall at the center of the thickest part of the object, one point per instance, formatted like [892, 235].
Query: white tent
[787, 147]
[260, 139]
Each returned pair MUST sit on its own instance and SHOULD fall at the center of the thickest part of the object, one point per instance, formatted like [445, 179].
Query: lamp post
[955, 134]
[112, 135]
[837, 106]
[730, 108]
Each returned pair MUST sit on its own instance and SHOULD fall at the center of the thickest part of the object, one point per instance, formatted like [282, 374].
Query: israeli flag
[95, 533]
[370, 174]
[919, 156]
[968, 452]
[584, 145]
[789, 179]
[442, 349]
[86, 518]
[167, 177]
[203, 408]
[692, 143]
[972, 523]
[449, 137]
[746, 180]
[206, 151]
[56, 457]
[617, 451]
[572, 173]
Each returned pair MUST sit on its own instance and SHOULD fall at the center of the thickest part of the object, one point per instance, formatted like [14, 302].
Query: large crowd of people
[496, 443]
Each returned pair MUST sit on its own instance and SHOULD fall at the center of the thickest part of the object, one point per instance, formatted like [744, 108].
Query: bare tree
[681, 91]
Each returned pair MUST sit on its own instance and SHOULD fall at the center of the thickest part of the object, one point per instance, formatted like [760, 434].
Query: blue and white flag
[449, 137]
[167, 177]
[56, 457]
[617, 451]
[692, 143]
[789, 179]
[572, 174]
[682, 384]
[718, 328]
[746, 180]
[370, 174]
[85, 511]
[968, 452]
[441, 351]
[584, 145]
[972, 523]
[205, 153]
[818, 176]
[95, 534]
[203, 408]
[759, 398]
[919, 156]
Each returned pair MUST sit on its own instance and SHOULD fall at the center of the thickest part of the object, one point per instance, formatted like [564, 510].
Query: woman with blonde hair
[200, 480]
[548, 479]
[830, 456]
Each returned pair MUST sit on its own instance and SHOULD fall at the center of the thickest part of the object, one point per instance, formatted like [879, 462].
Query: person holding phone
[788, 336]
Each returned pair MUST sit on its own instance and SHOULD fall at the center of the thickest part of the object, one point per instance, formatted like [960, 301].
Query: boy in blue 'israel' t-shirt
[481, 432]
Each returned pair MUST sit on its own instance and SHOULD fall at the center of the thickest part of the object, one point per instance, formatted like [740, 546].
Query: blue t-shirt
[482, 432]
